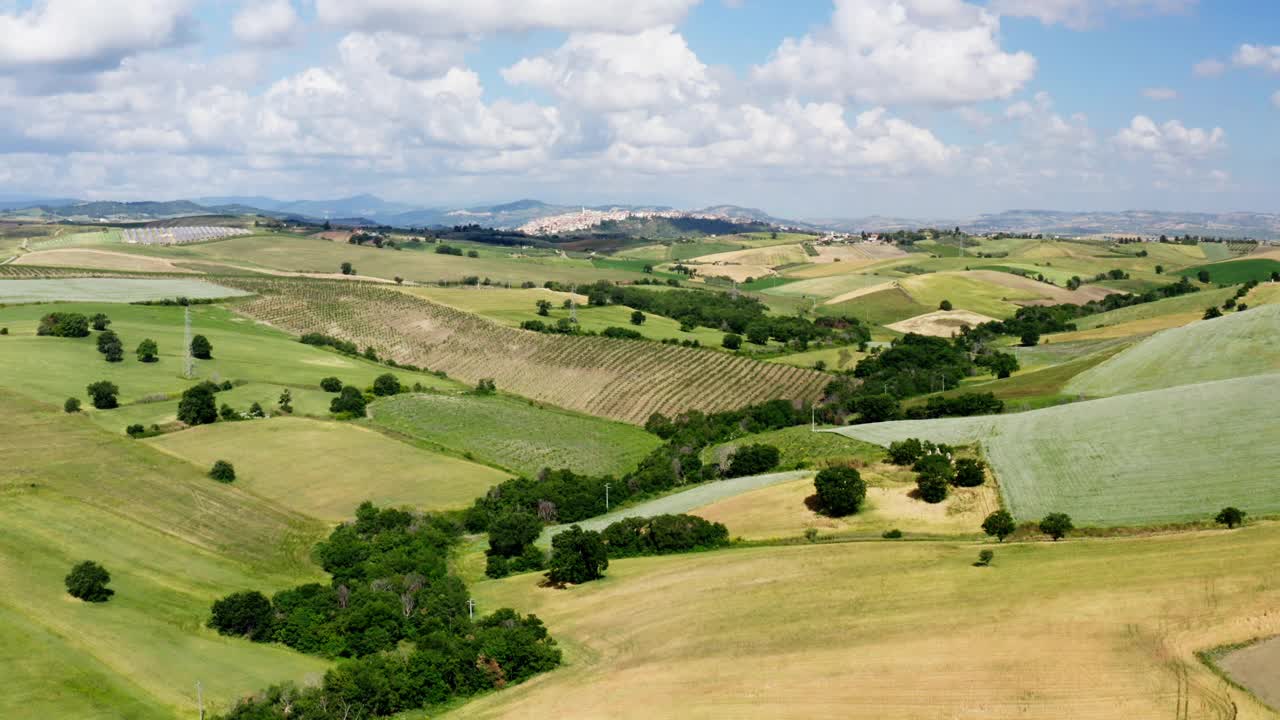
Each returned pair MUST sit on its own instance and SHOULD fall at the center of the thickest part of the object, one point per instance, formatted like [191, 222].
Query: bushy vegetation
[148, 351]
[322, 340]
[1036, 320]
[962, 405]
[331, 384]
[350, 402]
[662, 534]
[201, 347]
[577, 556]
[58, 324]
[198, 406]
[1056, 525]
[87, 581]
[393, 608]
[752, 460]
[840, 491]
[999, 524]
[223, 471]
[103, 395]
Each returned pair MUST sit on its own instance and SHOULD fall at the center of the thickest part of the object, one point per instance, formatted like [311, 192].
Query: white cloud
[606, 71]
[1160, 94]
[448, 17]
[1209, 68]
[1258, 56]
[1170, 143]
[1081, 14]
[399, 54]
[89, 33]
[265, 22]
[891, 51]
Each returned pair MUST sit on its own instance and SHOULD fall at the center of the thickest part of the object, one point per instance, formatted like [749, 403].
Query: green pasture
[1235, 272]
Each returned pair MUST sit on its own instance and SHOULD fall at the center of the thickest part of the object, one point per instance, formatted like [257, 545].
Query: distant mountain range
[372, 210]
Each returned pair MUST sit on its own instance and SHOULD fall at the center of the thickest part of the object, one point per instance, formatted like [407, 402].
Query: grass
[326, 469]
[836, 358]
[1134, 459]
[516, 434]
[895, 631]
[965, 293]
[879, 308]
[1180, 305]
[826, 287]
[107, 290]
[173, 541]
[1235, 272]
[1030, 389]
[800, 447]
[1235, 345]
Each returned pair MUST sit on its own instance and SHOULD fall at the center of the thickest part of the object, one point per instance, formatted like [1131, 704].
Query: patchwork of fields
[119, 290]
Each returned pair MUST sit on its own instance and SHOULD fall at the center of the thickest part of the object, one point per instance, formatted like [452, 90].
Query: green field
[1235, 345]
[836, 358]
[1234, 272]
[1190, 303]
[801, 447]
[879, 308]
[827, 287]
[108, 290]
[291, 462]
[516, 434]
[1161, 456]
[172, 539]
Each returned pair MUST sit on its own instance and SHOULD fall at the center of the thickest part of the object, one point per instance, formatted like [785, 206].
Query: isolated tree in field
[246, 614]
[197, 406]
[88, 582]
[103, 395]
[999, 525]
[511, 532]
[385, 385]
[1230, 516]
[1159, 269]
[72, 405]
[931, 488]
[100, 321]
[347, 269]
[1203, 276]
[1211, 313]
[1030, 338]
[753, 460]
[331, 384]
[399, 280]
[148, 351]
[486, 386]
[944, 305]
[222, 471]
[637, 317]
[985, 557]
[577, 556]
[840, 491]
[201, 347]
[350, 402]
[544, 307]
[285, 403]
[970, 472]
[732, 341]
[1056, 525]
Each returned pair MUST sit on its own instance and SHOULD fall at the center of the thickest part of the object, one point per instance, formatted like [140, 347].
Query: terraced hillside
[622, 379]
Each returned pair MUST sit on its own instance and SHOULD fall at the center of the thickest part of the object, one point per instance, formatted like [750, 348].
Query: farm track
[620, 379]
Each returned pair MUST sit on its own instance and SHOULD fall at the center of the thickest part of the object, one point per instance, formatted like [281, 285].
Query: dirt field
[98, 260]
[771, 256]
[857, 255]
[1257, 667]
[941, 323]
[334, 235]
[741, 273]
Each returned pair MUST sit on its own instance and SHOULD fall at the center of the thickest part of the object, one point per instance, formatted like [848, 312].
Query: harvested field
[1257, 667]
[739, 273]
[769, 257]
[621, 379]
[857, 255]
[827, 287]
[120, 290]
[941, 323]
[1052, 294]
[98, 260]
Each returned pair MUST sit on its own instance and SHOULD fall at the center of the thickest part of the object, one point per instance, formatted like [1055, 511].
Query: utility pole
[606, 497]
[471, 609]
[200, 699]
[189, 363]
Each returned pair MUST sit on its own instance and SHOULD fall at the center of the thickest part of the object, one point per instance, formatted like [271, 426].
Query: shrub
[618, 333]
[245, 614]
[1203, 276]
[256, 411]
[72, 405]
[511, 532]
[228, 413]
[637, 317]
[577, 556]
[935, 464]
[1230, 516]
[100, 321]
[201, 347]
[495, 566]
[386, 384]
[985, 557]
[349, 402]
[331, 384]
[1056, 525]
[970, 472]
[532, 559]
[932, 488]
[4, 331]
[486, 386]
[906, 452]
[88, 582]
[732, 341]
[811, 534]
[223, 471]
[877, 408]
[944, 305]
[64, 325]
[1212, 313]
[893, 534]
[753, 460]
[285, 403]
[840, 491]
[999, 525]
[347, 268]
[148, 351]
[1030, 338]
[103, 395]
[197, 406]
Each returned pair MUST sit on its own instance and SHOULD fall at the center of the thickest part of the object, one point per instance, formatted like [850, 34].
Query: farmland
[1234, 272]
[120, 290]
[1063, 459]
[619, 379]
[516, 434]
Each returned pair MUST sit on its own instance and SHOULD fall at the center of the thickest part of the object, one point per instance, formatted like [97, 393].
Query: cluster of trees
[752, 460]
[566, 326]
[1044, 319]
[60, 324]
[396, 612]
[962, 405]
[662, 535]
[577, 556]
[563, 496]
[110, 346]
[936, 467]
[511, 544]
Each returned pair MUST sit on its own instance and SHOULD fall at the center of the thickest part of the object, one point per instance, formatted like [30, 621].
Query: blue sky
[920, 108]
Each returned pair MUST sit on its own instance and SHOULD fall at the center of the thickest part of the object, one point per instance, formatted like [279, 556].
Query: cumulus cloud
[265, 22]
[448, 17]
[1170, 143]
[1211, 67]
[1258, 56]
[1160, 94]
[1081, 14]
[607, 71]
[890, 51]
[89, 33]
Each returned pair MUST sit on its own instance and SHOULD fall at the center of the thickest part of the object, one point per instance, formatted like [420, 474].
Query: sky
[805, 108]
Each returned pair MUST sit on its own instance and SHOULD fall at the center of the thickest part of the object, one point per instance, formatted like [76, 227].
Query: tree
[385, 385]
[72, 405]
[58, 324]
[285, 403]
[758, 333]
[732, 341]
[876, 408]
[148, 351]
[753, 460]
[107, 339]
[1030, 338]
[201, 347]
[637, 317]
[544, 307]
[197, 406]
[1230, 516]
[247, 614]
[88, 582]
[399, 280]
[228, 413]
[999, 525]
[511, 532]
[222, 471]
[932, 488]
[1203, 276]
[103, 395]
[100, 321]
[1159, 269]
[970, 472]
[1056, 525]
[256, 411]
[331, 384]
[840, 491]
[985, 557]
[1211, 313]
[577, 556]
[944, 305]
[349, 402]
[906, 452]
[347, 269]
[486, 386]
